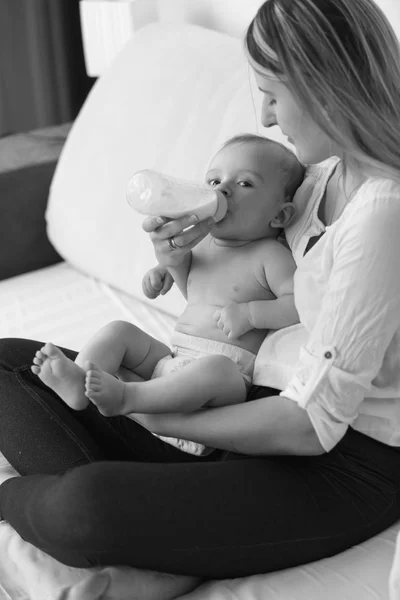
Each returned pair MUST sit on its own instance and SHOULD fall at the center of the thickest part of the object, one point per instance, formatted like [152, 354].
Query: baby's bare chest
[224, 277]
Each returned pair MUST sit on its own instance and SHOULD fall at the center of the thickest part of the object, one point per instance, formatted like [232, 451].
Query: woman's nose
[268, 118]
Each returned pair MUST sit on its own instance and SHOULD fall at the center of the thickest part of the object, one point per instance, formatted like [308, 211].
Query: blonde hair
[341, 60]
[291, 168]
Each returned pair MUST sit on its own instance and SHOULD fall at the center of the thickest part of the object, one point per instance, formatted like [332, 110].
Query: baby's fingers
[148, 289]
[218, 319]
[150, 292]
[156, 280]
[168, 283]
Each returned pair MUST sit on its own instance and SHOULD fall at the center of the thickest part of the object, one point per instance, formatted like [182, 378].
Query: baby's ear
[284, 216]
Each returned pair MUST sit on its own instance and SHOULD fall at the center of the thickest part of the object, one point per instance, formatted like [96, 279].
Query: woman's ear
[284, 216]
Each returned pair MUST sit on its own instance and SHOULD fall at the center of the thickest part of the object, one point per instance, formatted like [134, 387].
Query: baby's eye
[213, 182]
[245, 184]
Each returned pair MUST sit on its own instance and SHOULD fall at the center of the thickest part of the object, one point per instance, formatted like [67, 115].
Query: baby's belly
[198, 320]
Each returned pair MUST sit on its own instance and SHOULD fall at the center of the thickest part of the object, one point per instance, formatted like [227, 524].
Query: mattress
[65, 306]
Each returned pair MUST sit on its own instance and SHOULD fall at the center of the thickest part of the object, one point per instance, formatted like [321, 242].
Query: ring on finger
[172, 244]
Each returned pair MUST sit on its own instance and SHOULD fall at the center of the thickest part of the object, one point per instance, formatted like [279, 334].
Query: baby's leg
[117, 343]
[122, 345]
[62, 375]
[208, 381]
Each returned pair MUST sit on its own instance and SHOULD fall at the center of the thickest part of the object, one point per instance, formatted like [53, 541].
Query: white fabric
[171, 98]
[62, 305]
[394, 578]
[347, 293]
[186, 349]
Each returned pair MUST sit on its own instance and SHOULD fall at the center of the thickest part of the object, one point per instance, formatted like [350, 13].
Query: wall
[230, 16]
[227, 16]
[42, 73]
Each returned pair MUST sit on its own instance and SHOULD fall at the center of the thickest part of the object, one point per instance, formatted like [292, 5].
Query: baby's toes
[41, 356]
[35, 369]
[93, 381]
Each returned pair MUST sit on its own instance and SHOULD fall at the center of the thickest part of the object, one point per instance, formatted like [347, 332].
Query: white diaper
[186, 349]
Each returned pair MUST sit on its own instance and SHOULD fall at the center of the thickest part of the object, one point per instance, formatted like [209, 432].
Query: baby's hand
[234, 319]
[157, 281]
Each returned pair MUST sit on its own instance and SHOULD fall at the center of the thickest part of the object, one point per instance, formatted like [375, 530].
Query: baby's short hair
[292, 169]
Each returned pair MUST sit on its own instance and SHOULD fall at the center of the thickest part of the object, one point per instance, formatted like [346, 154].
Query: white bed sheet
[62, 305]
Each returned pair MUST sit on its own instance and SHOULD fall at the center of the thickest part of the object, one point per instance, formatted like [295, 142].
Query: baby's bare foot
[62, 375]
[104, 390]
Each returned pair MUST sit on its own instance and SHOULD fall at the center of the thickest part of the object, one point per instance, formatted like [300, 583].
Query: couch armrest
[27, 163]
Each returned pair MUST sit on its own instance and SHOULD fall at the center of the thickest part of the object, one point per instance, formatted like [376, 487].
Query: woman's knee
[17, 352]
[72, 509]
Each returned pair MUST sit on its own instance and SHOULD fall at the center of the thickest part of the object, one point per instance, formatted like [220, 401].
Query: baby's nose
[224, 189]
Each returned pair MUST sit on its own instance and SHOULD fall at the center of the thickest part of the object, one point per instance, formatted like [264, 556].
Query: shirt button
[328, 354]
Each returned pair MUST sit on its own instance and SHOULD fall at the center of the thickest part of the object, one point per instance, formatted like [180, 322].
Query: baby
[238, 282]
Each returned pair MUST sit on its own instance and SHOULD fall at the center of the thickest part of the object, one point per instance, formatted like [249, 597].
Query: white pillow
[170, 99]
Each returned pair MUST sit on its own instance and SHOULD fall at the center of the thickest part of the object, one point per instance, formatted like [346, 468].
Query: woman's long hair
[341, 59]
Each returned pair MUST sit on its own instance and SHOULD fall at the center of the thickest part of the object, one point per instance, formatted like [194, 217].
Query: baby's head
[258, 177]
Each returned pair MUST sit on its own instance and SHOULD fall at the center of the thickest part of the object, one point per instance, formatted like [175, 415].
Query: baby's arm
[237, 319]
[156, 281]
[159, 279]
[180, 273]
[281, 312]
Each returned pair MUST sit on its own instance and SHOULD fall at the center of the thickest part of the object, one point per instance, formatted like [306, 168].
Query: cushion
[27, 164]
[169, 100]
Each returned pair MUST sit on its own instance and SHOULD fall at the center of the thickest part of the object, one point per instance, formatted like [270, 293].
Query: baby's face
[249, 176]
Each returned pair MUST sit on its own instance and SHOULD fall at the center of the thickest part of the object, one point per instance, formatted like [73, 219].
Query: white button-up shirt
[341, 363]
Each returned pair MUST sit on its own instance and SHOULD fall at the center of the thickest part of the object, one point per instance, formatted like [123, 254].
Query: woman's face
[280, 107]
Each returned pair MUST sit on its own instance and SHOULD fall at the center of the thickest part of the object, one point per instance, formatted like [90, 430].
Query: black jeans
[103, 491]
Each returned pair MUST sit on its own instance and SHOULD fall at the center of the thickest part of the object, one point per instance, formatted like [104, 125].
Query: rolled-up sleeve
[357, 317]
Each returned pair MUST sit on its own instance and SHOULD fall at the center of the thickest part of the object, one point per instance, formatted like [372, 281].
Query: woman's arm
[358, 316]
[273, 425]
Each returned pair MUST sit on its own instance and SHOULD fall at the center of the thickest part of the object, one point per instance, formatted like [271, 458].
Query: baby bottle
[153, 193]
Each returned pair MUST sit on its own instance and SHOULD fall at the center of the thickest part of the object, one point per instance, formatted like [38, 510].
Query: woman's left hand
[270, 425]
[154, 422]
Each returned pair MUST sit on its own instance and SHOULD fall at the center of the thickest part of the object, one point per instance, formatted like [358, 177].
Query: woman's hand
[265, 426]
[156, 281]
[174, 239]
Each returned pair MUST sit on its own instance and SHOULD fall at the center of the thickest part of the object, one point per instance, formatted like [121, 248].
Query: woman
[301, 474]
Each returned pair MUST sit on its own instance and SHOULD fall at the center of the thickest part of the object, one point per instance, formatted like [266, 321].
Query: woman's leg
[39, 433]
[226, 518]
